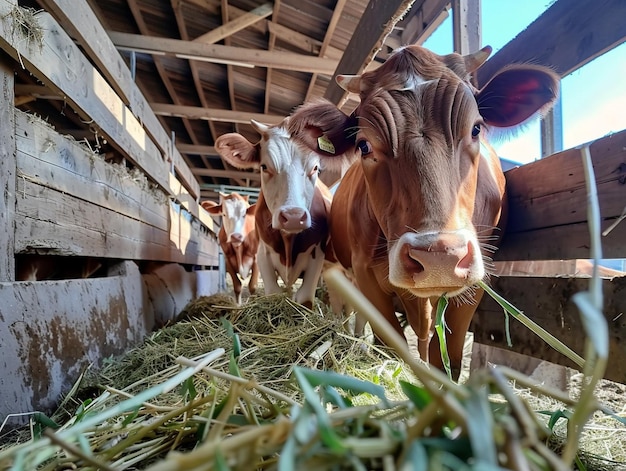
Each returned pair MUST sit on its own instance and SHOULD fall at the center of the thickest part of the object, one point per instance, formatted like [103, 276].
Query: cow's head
[290, 156]
[421, 127]
[233, 208]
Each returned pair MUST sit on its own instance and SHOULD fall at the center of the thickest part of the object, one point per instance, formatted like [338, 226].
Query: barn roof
[206, 67]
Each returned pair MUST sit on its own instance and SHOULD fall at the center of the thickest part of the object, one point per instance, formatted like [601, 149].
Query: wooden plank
[560, 243]
[548, 302]
[547, 204]
[7, 171]
[87, 206]
[223, 54]
[48, 159]
[466, 26]
[242, 22]
[78, 19]
[58, 63]
[567, 36]
[56, 223]
[213, 114]
[375, 24]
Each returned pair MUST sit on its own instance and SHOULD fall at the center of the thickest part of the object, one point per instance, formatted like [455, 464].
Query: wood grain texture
[79, 20]
[548, 302]
[7, 171]
[548, 204]
[71, 202]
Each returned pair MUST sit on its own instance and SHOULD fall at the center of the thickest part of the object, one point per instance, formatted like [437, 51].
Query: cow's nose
[445, 255]
[236, 239]
[293, 219]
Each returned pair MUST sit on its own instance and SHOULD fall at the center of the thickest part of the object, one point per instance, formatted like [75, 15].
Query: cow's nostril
[414, 260]
[466, 260]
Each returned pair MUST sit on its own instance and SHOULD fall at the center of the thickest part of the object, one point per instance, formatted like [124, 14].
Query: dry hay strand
[25, 25]
[274, 335]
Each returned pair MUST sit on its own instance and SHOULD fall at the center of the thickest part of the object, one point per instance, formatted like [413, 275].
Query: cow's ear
[237, 151]
[476, 59]
[251, 209]
[350, 83]
[516, 93]
[212, 207]
[323, 128]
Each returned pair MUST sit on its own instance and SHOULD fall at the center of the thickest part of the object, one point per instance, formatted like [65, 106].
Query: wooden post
[466, 26]
[7, 170]
[552, 131]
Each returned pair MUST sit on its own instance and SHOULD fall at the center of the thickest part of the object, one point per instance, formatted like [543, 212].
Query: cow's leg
[458, 319]
[267, 271]
[419, 316]
[383, 302]
[236, 283]
[254, 279]
[306, 293]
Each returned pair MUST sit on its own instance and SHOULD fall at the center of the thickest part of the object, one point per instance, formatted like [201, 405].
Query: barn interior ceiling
[207, 67]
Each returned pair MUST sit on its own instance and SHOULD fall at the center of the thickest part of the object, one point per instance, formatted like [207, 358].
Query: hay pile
[273, 385]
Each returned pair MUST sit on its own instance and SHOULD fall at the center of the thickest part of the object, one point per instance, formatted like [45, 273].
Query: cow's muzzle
[293, 219]
[436, 263]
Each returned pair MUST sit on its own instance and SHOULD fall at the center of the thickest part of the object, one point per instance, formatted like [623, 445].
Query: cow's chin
[436, 292]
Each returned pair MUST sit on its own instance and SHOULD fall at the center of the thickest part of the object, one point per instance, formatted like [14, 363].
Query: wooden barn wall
[61, 198]
[548, 213]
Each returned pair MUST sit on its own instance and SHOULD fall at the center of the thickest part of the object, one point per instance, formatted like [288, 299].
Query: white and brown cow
[238, 239]
[413, 215]
[293, 206]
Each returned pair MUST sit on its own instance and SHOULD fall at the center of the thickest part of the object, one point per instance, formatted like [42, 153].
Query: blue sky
[593, 102]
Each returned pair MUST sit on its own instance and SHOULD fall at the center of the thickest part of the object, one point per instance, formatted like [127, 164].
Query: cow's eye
[266, 170]
[364, 146]
[314, 171]
[476, 130]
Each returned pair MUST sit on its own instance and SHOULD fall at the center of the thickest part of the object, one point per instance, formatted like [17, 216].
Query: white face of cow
[233, 208]
[288, 177]
[233, 219]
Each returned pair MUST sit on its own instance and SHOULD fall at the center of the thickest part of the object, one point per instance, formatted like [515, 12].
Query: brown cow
[293, 206]
[413, 215]
[238, 239]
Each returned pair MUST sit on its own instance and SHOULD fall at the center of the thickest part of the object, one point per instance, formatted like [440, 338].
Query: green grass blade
[534, 327]
[440, 328]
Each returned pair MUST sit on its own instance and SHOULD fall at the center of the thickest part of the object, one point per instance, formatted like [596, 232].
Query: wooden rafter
[222, 54]
[332, 25]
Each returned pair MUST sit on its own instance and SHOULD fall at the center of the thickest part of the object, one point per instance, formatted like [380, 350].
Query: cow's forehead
[234, 207]
[411, 66]
[282, 151]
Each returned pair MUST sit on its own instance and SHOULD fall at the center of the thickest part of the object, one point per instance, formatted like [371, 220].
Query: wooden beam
[466, 29]
[79, 20]
[378, 20]
[302, 41]
[196, 149]
[240, 56]
[548, 204]
[213, 114]
[230, 28]
[214, 172]
[330, 30]
[567, 36]
[7, 170]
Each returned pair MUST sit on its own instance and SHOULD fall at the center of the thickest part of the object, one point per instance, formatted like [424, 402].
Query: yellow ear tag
[325, 145]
